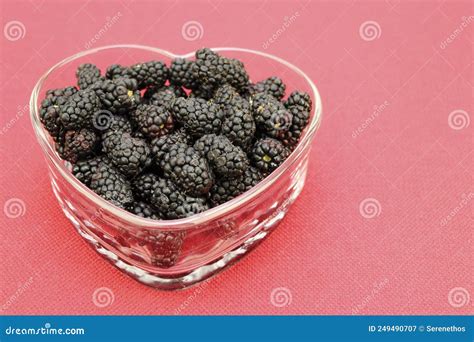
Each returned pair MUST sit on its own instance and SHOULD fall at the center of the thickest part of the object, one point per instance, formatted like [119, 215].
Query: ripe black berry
[225, 159]
[153, 121]
[110, 184]
[198, 116]
[188, 169]
[267, 154]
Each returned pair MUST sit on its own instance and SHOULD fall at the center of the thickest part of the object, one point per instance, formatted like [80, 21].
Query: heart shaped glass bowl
[201, 245]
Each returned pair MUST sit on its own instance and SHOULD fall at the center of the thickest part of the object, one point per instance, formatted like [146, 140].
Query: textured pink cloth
[384, 224]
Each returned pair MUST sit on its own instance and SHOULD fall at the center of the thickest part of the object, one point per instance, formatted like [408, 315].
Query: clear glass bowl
[213, 239]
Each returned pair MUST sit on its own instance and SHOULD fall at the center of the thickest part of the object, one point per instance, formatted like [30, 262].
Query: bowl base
[205, 272]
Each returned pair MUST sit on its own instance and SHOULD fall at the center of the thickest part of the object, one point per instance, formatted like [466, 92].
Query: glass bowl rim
[196, 219]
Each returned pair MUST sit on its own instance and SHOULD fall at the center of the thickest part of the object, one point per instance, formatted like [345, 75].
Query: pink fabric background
[412, 160]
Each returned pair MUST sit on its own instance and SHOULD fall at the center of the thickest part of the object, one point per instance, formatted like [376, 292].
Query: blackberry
[225, 159]
[239, 126]
[202, 93]
[165, 247]
[51, 108]
[119, 95]
[299, 98]
[181, 73]
[272, 85]
[299, 122]
[212, 70]
[173, 203]
[79, 144]
[111, 185]
[270, 115]
[112, 127]
[161, 247]
[152, 120]
[116, 71]
[198, 116]
[188, 169]
[143, 185]
[164, 96]
[143, 209]
[79, 109]
[161, 145]
[152, 73]
[87, 74]
[267, 154]
[237, 75]
[226, 189]
[84, 169]
[228, 98]
[128, 154]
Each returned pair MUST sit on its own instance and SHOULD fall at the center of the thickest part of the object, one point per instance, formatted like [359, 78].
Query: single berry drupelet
[148, 74]
[153, 121]
[299, 98]
[111, 185]
[267, 154]
[173, 203]
[112, 128]
[79, 109]
[225, 159]
[239, 126]
[119, 95]
[84, 169]
[129, 155]
[181, 73]
[188, 169]
[164, 96]
[143, 186]
[50, 110]
[144, 209]
[226, 189]
[79, 144]
[87, 74]
[198, 116]
[161, 145]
